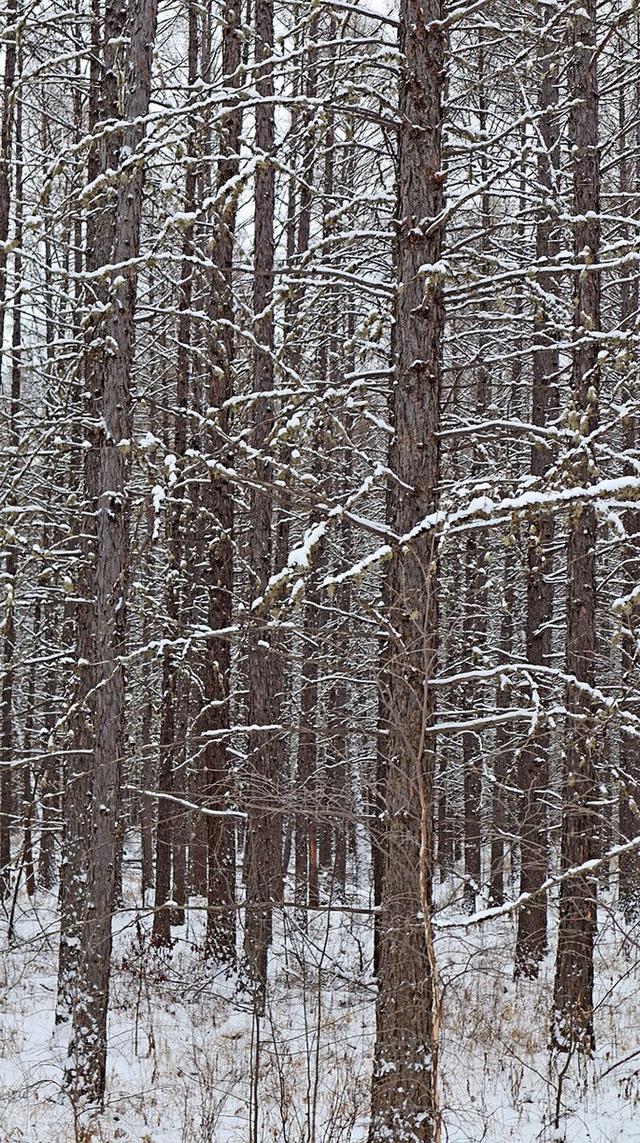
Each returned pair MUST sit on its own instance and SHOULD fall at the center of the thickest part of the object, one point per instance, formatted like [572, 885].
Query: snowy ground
[185, 1065]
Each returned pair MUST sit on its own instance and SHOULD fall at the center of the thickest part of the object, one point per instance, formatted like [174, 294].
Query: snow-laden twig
[509, 907]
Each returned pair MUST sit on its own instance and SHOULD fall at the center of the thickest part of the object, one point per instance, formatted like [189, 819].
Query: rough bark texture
[263, 854]
[307, 784]
[629, 790]
[6, 697]
[79, 767]
[218, 498]
[171, 835]
[475, 620]
[572, 1018]
[6, 132]
[104, 613]
[404, 1102]
[531, 938]
[504, 750]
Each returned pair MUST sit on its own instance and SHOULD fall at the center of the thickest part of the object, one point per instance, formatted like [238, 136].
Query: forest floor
[188, 1063]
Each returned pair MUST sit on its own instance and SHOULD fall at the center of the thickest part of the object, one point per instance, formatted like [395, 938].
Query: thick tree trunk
[80, 766]
[629, 777]
[106, 485]
[572, 1018]
[404, 1086]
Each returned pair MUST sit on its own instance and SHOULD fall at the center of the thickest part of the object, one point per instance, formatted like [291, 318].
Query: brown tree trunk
[629, 776]
[49, 778]
[161, 930]
[172, 831]
[9, 623]
[106, 479]
[263, 853]
[183, 517]
[217, 503]
[80, 766]
[572, 1018]
[501, 799]
[531, 937]
[475, 623]
[404, 1087]
[6, 133]
[306, 837]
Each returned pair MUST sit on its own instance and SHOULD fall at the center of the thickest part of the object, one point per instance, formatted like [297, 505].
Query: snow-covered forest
[319, 571]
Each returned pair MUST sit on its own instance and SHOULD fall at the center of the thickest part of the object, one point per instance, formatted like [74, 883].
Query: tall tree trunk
[572, 1018]
[8, 622]
[103, 102]
[106, 485]
[404, 1089]
[6, 133]
[475, 621]
[172, 834]
[220, 941]
[263, 854]
[306, 838]
[629, 792]
[531, 937]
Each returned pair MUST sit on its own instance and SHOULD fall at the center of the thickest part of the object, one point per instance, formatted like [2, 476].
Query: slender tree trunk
[572, 1018]
[9, 645]
[306, 841]
[50, 779]
[531, 938]
[475, 623]
[28, 782]
[263, 854]
[404, 1086]
[6, 696]
[172, 832]
[161, 930]
[183, 517]
[6, 133]
[147, 776]
[503, 748]
[217, 502]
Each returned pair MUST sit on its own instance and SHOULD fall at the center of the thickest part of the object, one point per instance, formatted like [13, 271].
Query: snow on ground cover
[184, 1053]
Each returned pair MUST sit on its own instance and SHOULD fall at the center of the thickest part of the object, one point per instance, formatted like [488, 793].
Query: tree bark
[572, 1018]
[220, 942]
[11, 569]
[404, 1085]
[263, 853]
[629, 775]
[531, 937]
[106, 479]
[80, 766]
